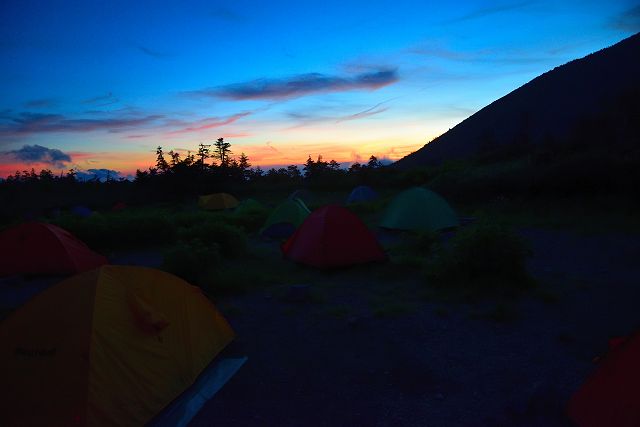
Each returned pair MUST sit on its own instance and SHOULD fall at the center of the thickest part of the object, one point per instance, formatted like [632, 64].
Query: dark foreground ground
[367, 348]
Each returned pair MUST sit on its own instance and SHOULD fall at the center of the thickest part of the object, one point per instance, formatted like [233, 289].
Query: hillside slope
[547, 108]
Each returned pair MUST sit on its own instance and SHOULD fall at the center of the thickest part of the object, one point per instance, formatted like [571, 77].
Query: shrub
[484, 257]
[193, 262]
[118, 231]
[231, 240]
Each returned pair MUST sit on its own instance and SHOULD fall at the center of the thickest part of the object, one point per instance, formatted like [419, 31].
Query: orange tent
[217, 201]
[40, 248]
[111, 346]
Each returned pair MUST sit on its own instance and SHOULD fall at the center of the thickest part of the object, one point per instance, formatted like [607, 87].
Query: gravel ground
[335, 363]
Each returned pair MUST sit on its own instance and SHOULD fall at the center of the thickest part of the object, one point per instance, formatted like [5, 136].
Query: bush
[415, 248]
[484, 257]
[231, 240]
[120, 231]
[193, 262]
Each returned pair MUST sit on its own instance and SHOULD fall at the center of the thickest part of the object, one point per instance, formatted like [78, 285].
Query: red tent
[611, 396]
[39, 248]
[332, 236]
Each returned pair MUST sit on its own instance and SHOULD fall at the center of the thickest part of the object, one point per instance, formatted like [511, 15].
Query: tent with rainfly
[217, 201]
[37, 248]
[611, 395]
[111, 346]
[362, 194]
[419, 209]
[285, 219]
[333, 236]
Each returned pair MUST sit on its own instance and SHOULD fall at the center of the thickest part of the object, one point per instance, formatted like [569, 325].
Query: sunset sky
[100, 84]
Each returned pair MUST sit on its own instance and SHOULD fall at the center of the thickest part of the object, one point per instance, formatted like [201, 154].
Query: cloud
[628, 21]
[40, 103]
[301, 85]
[490, 56]
[491, 10]
[101, 100]
[225, 14]
[376, 109]
[38, 154]
[30, 123]
[208, 123]
[153, 53]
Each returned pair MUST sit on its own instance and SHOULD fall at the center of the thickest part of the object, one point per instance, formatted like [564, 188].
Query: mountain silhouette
[549, 107]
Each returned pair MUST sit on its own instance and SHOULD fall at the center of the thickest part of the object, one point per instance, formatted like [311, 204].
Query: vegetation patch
[484, 258]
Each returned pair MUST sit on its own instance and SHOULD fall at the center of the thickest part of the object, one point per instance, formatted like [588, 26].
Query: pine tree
[222, 151]
[161, 163]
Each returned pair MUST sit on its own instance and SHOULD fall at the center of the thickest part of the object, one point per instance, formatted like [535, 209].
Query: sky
[98, 85]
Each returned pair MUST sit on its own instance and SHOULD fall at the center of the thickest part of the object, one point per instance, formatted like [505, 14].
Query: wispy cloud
[153, 52]
[225, 14]
[492, 10]
[31, 123]
[301, 85]
[628, 20]
[376, 109]
[208, 123]
[101, 100]
[30, 154]
[40, 103]
[491, 56]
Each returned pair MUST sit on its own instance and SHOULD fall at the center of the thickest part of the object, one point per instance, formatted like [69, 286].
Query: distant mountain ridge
[548, 106]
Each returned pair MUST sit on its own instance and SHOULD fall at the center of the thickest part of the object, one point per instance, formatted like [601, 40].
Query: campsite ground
[369, 346]
[377, 345]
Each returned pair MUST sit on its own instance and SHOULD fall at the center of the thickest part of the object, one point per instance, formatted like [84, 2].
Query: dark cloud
[491, 10]
[38, 154]
[29, 123]
[628, 21]
[301, 85]
[40, 103]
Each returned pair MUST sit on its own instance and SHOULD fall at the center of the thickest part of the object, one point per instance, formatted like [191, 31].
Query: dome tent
[37, 248]
[611, 395]
[111, 346]
[419, 209]
[285, 218]
[360, 194]
[333, 236]
[217, 201]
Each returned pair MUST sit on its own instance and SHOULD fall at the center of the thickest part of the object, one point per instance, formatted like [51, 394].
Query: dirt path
[336, 362]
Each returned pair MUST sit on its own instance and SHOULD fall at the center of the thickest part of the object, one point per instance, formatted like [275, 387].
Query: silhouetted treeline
[175, 177]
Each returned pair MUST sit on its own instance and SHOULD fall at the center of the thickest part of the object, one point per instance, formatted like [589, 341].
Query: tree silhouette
[161, 163]
[222, 151]
[203, 153]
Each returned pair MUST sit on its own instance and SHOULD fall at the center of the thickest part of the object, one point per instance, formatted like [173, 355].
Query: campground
[378, 344]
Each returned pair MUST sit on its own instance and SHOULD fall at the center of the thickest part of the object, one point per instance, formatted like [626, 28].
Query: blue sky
[105, 82]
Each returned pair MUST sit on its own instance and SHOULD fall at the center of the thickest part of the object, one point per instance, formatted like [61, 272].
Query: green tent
[419, 209]
[248, 206]
[285, 218]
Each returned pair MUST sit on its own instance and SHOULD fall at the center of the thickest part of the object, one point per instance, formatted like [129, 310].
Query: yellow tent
[112, 346]
[217, 201]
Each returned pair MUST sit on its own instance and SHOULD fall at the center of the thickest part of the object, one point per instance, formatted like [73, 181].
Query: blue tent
[81, 211]
[362, 193]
